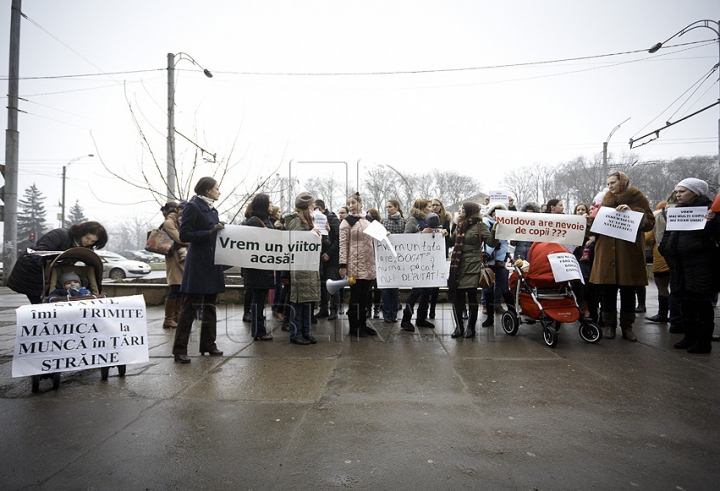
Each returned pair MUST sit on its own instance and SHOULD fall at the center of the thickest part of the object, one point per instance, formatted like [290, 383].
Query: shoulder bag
[487, 275]
[160, 242]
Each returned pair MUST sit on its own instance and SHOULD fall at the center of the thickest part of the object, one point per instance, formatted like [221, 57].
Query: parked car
[117, 267]
[144, 256]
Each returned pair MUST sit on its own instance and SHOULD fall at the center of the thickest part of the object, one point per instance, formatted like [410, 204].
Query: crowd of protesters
[684, 264]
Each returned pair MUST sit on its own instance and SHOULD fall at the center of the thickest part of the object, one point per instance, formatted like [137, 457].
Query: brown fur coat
[619, 262]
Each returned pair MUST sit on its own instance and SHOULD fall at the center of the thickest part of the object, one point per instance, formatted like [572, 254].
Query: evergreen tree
[77, 215]
[31, 216]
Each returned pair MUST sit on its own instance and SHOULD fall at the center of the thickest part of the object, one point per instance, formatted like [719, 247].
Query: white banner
[565, 267]
[64, 336]
[540, 227]
[420, 261]
[265, 248]
[686, 218]
[621, 225]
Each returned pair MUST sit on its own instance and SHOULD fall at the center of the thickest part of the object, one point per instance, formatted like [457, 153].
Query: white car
[117, 267]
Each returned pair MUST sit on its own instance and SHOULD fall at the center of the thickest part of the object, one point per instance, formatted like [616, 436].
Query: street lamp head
[207, 73]
[655, 48]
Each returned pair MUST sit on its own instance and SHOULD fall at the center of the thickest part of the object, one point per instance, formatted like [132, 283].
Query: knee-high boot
[626, 322]
[406, 323]
[472, 320]
[459, 321]
[662, 315]
[490, 319]
[172, 312]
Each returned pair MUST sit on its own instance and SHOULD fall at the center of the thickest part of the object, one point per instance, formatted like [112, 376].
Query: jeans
[390, 303]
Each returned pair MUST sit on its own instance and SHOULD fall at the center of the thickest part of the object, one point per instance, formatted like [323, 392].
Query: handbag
[487, 275]
[487, 278]
[160, 242]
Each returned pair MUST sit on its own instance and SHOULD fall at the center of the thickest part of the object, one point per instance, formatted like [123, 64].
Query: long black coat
[28, 273]
[693, 256]
[201, 275]
[258, 278]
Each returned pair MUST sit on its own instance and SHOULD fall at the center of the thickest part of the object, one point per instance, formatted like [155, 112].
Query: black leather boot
[406, 323]
[490, 319]
[662, 315]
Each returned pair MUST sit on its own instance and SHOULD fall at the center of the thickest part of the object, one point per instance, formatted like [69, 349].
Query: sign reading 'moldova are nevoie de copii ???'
[65, 336]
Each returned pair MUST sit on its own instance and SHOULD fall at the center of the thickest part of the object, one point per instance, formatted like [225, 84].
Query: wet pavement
[400, 411]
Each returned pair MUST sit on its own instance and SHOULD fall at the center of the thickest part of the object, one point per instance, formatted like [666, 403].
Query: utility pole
[12, 138]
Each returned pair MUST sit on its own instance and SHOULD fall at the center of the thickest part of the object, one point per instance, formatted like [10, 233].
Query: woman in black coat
[693, 259]
[259, 281]
[202, 279]
[29, 272]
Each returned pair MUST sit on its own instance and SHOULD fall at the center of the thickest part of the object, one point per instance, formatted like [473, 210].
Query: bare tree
[327, 188]
[151, 172]
[522, 184]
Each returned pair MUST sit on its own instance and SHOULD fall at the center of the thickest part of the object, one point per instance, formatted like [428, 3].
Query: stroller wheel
[510, 323]
[590, 332]
[550, 335]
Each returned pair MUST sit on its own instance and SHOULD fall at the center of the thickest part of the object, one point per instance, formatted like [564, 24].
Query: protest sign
[377, 231]
[420, 261]
[621, 225]
[565, 267]
[320, 222]
[540, 227]
[64, 336]
[686, 218]
[499, 196]
[265, 248]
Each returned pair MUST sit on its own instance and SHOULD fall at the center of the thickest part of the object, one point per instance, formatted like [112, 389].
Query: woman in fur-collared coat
[619, 264]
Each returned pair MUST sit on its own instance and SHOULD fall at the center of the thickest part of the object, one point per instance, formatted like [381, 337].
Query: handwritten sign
[64, 336]
[540, 227]
[565, 267]
[265, 248]
[419, 261]
[621, 225]
[499, 196]
[686, 218]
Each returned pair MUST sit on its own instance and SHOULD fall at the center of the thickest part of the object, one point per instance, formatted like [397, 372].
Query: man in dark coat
[330, 259]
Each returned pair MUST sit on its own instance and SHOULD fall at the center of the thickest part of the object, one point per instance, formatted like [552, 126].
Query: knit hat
[304, 200]
[697, 186]
[495, 206]
[70, 276]
[432, 220]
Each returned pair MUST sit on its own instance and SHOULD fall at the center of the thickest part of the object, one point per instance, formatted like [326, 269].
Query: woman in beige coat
[357, 260]
[173, 263]
[619, 264]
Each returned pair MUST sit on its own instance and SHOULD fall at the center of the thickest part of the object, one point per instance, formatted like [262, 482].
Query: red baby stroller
[539, 298]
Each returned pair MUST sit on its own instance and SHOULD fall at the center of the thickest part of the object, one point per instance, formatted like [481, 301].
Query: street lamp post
[605, 148]
[62, 214]
[714, 26]
[172, 60]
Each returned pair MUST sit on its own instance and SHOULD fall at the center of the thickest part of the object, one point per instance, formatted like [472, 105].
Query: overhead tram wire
[397, 72]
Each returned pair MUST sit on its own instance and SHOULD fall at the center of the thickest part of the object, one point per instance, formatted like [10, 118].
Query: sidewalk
[402, 411]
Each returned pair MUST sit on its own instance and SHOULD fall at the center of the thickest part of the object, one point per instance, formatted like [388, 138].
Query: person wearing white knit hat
[697, 186]
[694, 269]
